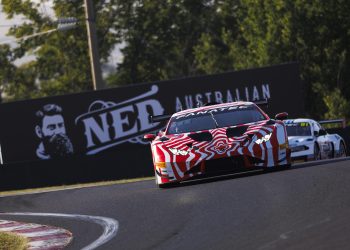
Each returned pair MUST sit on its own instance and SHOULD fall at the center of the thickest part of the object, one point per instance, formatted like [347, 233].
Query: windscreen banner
[113, 121]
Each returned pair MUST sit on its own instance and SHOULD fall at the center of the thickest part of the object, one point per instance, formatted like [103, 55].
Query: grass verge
[12, 241]
[74, 186]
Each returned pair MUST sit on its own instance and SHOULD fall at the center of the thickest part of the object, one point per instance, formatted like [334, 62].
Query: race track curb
[40, 237]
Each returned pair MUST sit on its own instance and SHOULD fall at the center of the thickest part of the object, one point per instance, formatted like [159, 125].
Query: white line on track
[110, 226]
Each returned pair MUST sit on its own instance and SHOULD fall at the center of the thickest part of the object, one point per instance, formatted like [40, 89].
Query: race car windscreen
[298, 129]
[214, 118]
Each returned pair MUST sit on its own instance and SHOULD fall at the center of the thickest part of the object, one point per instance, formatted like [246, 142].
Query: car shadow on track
[213, 178]
[218, 177]
[317, 163]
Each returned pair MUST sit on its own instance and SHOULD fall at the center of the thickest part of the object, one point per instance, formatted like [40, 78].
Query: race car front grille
[193, 170]
[254, 160]
[299, 148]
[227, 164]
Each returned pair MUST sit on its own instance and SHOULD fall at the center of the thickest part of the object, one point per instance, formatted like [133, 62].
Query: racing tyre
[332, 151]
[277, 168]
[165, 185]
[317, 152]
[342, 150]
[168, 185]
[287, 166]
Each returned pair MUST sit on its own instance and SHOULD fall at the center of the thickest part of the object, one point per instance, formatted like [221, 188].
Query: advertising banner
[113, 121]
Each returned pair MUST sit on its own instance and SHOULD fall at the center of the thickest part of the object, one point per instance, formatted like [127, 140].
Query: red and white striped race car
[218, 138]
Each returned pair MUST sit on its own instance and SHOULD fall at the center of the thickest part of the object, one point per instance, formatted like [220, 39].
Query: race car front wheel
[317, 152]
[165, 185]
[342, 150]
[168, 185]
[332, 155]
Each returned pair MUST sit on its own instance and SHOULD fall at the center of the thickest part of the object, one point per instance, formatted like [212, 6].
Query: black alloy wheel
[317, 152]
[342, 150]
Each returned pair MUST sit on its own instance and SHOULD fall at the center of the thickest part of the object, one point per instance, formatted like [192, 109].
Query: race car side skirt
[283, 159]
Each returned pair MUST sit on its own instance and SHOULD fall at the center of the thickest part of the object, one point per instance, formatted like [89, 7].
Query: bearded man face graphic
[51, 130]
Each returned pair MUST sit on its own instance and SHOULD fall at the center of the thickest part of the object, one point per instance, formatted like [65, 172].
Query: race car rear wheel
[317, 152]
[332, 151]
[342, 150]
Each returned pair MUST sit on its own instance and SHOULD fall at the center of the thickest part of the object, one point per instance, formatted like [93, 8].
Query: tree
[314, 33]
[179, 38]
[62, 62]
[164, 40]
[337, 105]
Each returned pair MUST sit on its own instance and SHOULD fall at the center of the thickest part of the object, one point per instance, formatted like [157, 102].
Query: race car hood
[218, 142]
[300, 140]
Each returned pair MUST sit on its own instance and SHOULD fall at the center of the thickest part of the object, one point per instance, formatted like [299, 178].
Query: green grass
[10, 241]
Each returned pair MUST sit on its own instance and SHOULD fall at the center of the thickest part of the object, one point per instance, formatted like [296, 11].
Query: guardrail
[335, 121]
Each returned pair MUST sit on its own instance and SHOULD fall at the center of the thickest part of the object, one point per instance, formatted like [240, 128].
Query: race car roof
[204, 108]
[298, 120]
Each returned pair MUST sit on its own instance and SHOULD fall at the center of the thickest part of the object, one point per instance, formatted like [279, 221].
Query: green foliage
[314, 33]
[62, 60]
[177, 38]
[337, 105]
[160, 37]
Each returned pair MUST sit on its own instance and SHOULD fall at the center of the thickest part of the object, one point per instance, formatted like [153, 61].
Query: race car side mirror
[322, 132]
[149, 137]
[281, 116]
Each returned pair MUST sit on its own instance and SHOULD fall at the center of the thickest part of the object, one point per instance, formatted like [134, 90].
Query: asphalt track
[306, 207]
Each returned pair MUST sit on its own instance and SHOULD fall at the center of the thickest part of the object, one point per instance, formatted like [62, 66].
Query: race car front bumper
[303, 152]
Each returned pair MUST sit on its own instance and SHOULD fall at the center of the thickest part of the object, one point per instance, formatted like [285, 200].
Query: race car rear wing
[339, 121]
[160, 118]
[262, 103]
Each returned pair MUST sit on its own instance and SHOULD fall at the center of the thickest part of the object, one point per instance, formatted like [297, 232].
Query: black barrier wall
[98, 135]
[73, 170]
[111, 120]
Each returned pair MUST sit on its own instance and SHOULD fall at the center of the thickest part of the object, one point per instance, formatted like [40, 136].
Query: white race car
[308, 140]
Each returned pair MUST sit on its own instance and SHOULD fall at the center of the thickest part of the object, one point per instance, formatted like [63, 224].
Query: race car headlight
[178, 151]
[263, 139]
[160, 164]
